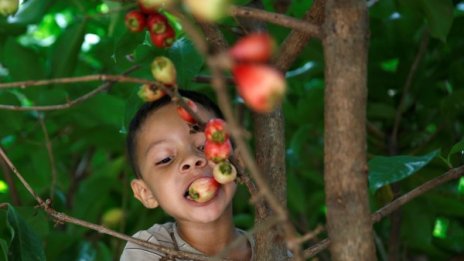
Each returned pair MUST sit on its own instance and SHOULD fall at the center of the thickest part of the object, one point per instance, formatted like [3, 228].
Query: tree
[70, 71]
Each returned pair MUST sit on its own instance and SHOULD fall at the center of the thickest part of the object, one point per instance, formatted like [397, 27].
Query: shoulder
[157, 234]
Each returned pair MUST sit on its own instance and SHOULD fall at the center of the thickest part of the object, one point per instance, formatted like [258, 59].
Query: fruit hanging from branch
[224, 172]
[148, 93]
[262, 87]
[149, 6]
[164, 71]
[255, 47]
[215, 131]
[135, 21]
[157, 23]
[218, 152]
[184, 114]
[165, 39]
[8, 7]
[207, 10]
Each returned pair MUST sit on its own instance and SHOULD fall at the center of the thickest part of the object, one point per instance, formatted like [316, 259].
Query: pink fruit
[184, 114]
[261, 87]
[215, 131]
[203, 189]
[163, 70]
[217, 152]
[255, 47]
[147, 93]
[224, 172]
[135, 21]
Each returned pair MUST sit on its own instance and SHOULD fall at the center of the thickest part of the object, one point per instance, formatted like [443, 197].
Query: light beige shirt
[165, 235]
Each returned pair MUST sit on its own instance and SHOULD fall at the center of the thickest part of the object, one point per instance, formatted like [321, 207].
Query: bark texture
[345, 168]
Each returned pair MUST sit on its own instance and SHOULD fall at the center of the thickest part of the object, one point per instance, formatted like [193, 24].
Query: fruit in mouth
[224, 172]
[203, 189]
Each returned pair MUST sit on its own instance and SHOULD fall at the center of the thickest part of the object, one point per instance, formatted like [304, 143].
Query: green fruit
[8, 7]
[112, 218]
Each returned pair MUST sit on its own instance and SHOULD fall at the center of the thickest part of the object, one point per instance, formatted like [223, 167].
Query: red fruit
[215, 131]
[147, 93]
[255, 47]
[203, 189]
[224, 172]
[156, 23]
[165, 39]
[135, 21]
[163, 70]
[261, 87]
[217, 152]
[184, 114]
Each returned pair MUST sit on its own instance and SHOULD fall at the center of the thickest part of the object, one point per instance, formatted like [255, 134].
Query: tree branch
[451, 174]
[51, 158]
[279, 19]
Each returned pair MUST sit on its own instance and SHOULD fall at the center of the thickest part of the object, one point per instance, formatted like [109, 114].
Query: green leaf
[439, 17]
[458, 147]
[4, 248]
[187, 60]
[26, 245]
[67, 48]
[386, 170]
[22, 63]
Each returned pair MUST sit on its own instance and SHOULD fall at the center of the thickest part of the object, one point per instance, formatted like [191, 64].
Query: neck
[212, 238]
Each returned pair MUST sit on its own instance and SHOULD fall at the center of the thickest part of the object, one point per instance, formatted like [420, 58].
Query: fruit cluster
[260, 85]
[217, 149]
[148, 17]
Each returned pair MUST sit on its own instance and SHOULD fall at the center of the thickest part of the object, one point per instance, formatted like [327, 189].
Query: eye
[201, 147]
[163, 161]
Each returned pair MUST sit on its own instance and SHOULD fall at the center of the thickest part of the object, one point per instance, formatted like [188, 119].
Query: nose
[193, 161]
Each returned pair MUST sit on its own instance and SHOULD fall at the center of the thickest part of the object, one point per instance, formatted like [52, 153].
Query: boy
[167, 155]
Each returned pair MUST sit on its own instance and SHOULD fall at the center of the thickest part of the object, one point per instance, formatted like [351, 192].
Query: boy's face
[170, 157]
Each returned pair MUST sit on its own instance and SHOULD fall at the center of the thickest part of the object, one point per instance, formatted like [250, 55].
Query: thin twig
[11, 185]
[279, 19]
[51, 158]
[397, 203]
[407, 85]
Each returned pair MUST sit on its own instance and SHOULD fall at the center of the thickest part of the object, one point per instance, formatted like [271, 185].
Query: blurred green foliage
[49, 38]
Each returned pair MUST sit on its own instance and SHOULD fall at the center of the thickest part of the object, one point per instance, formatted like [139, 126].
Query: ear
[143, 193]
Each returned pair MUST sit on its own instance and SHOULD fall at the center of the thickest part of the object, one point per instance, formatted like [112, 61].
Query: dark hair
[147, 108]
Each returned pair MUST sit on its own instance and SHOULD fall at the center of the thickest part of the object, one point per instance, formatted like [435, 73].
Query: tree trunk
[270, 157]
[345, 168]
